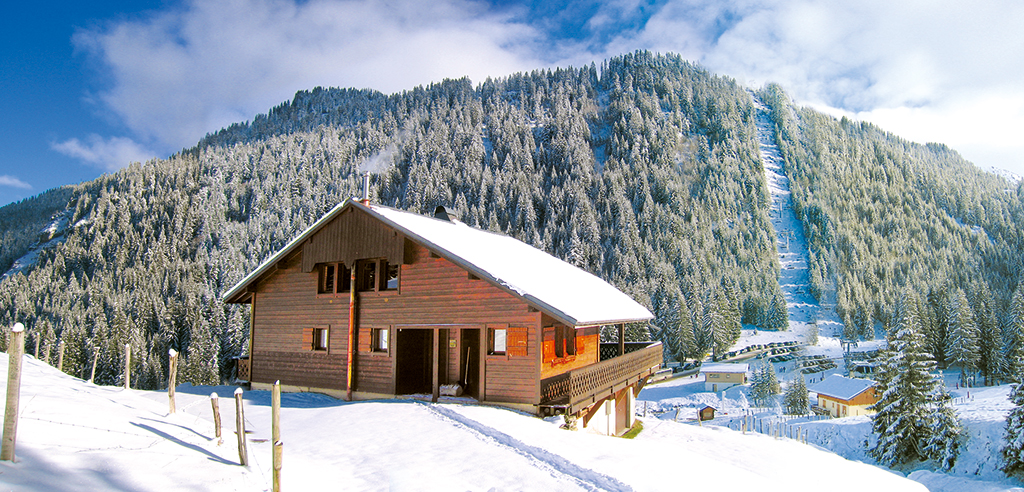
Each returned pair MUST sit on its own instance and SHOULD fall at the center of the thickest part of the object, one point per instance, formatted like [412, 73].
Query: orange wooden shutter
[517, 341]
[307, 338]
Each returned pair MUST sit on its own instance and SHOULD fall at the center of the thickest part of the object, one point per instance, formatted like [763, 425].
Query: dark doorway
[469, 362]
[415, 375]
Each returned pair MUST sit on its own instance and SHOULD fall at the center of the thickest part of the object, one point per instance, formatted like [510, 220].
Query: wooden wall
[432, 292]
[352, 235]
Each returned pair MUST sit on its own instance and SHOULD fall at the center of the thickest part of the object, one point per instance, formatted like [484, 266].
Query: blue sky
[88, 87]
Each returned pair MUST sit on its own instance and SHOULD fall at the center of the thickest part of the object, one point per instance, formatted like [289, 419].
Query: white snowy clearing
[76, 436]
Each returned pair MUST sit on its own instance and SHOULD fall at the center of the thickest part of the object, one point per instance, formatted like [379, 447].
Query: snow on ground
[76, 436]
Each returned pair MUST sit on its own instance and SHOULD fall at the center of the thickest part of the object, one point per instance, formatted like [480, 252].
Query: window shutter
[580, 346]
[517, 341]
[549, 350]
[307, 338]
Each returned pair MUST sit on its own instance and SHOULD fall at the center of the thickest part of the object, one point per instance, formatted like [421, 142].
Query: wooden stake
[36, 354]
[60, 356]
[171, 376]
[127, 366]
[95, 357]
[243, 453]
[15, 350]
[215, 403]
[275, 412]
[278, 452]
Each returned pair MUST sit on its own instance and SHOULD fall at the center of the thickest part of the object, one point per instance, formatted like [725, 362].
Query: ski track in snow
[794, 277]
[584, 477]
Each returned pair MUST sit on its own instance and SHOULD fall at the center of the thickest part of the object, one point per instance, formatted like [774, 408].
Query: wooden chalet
[845, 397]
[372, 302]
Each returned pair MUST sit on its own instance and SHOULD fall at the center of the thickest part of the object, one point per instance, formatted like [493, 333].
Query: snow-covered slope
[75, 436]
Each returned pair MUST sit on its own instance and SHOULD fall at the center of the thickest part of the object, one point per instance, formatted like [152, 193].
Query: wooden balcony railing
[243, 373]
[579, 388]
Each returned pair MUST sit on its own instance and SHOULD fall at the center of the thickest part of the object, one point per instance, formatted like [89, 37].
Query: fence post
[60, 356]
[275, 432]
[127, 366]
[95, 357]
[172, 375]
[278, 452]
[215, 403]
[14, 353]
[243, 453]
[36, 336]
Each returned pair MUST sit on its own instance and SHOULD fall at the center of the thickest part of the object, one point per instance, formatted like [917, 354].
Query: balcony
[572, 391]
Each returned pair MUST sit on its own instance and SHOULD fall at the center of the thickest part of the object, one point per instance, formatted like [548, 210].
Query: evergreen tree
[912, 414]
[795, 401]
[962, 344]
[1013, 450]
[764, 385]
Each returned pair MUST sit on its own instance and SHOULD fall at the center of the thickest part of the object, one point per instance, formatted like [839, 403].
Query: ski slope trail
[794, 278]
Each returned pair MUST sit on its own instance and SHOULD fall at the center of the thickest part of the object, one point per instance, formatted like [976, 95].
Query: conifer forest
[644, 170]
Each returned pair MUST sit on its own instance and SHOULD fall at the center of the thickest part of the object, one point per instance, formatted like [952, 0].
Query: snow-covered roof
[724, 368]
[563, 291]
[842, 387]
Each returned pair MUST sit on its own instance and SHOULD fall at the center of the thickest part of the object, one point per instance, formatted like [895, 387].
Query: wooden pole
[243, 453]
[275, 433]
[14, 354]
[95, 357]
[171, 376]
[60, 356]
[36, 353]
[127, 366]
[215, 403]
[278, 452]
[275, 412]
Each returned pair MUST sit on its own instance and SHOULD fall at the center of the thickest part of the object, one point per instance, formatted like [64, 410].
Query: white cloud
[943, 71]
[109, 154]
[8, 180]
[177, 75]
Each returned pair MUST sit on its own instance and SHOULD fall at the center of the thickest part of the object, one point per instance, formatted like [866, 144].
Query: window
[376, 275]
[498, 341]
[565, 341]
[379, 340]
[320, 339]
[334, 278]
[391, 276]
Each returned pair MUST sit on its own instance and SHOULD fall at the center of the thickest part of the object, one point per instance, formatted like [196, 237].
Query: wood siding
[433, 293]
[352, 236]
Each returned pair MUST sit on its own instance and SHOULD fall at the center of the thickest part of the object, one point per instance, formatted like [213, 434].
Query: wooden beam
[436, 391]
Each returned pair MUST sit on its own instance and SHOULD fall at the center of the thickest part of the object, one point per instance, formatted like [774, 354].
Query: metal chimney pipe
[366, 189]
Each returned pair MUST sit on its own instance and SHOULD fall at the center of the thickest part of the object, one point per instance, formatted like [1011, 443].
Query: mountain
[644, 170]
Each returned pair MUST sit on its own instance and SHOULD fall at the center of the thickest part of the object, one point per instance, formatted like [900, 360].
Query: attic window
[376, 275]
[333, 278]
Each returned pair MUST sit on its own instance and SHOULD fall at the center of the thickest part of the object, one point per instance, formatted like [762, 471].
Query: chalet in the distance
[372, 302]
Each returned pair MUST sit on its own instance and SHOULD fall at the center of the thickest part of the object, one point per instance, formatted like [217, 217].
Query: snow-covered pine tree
[764, 385]
[796, 401]
[1013, 336]
[962, 343]
[913, 416]
[1013, 450]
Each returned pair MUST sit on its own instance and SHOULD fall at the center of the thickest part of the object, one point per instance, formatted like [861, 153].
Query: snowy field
[75, 436]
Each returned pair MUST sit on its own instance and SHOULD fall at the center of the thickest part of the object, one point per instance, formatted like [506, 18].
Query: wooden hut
[845, 397]
[373, 302]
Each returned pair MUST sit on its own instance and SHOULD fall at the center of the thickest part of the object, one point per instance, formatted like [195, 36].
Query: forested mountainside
[644, 171]
[883, 215]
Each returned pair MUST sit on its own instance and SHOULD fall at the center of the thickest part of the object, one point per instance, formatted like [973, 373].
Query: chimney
[441, 213]
[366, 189]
